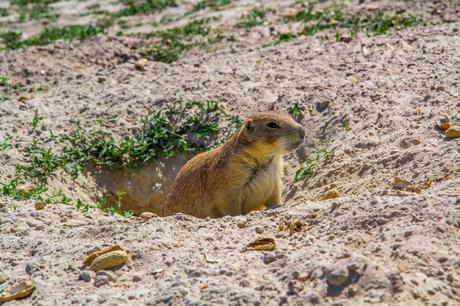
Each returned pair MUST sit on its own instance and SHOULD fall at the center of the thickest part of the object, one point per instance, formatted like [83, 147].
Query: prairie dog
[242, 175]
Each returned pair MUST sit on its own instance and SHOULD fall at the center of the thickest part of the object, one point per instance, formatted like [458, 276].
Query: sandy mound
[373, 102]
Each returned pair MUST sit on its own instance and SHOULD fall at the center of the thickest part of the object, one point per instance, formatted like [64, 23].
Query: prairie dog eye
[273, 125]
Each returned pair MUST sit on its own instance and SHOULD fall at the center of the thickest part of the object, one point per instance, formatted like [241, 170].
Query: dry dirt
[374, 101]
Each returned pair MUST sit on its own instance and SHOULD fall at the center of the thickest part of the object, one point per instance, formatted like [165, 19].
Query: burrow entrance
[139, 189]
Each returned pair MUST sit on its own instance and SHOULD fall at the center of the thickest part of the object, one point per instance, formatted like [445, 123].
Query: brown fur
[242, 175]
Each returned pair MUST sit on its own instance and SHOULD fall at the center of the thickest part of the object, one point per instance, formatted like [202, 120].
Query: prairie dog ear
[249, 126]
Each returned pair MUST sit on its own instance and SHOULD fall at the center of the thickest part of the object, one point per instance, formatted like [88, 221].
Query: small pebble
[103, 278]
[268, 258]
[242, 224]
[85, 276]
[453, 132]
[137, 277]
[313, 298]
[337, 277]
[259, 229]
[29, 268]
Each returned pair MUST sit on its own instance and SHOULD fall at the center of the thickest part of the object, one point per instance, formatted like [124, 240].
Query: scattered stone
[109, 260]
[295, 226]
[453, 132]
[23, 98]
[330, 194]
[137, 277]
[88, 260]
[337, 277]
[29, 268]
[443, 259]
[444, 124]
[103, 278]
[346, 38]
[35, 224]
[322, 106]
[242, 224]
[268, 258]
[313, 298]
[3, 279]
[40, 205]
[405, 185]
[141, 63]
[262, 244]
[303, 276]
[85, 276]
[23, 289]
[259, 229]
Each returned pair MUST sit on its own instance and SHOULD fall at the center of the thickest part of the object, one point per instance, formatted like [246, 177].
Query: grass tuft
[12, 40]
[255, 17]
[174, 42]
[212, 4]
[143, 7]
[309, 167]
[376, 24]
[284, 38]
[296, 109]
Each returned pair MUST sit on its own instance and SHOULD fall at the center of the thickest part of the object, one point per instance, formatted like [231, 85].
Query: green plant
[212, 4]
[283, 38]
[173, 42]
[376, 24]
[255, 17]
[35, 10]
[35, 120]
[114, 209]
[6, 144]
[309, 166]
[143, 7]
[12, 40]
[4, 12]
[380, 23]
[296, 109]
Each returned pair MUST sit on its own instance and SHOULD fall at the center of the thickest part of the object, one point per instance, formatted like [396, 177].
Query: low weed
[35, 10]
[17, 190]
[144, 7]
[161, 135]
[6, 143]
[212, 4]
[8, 83]
[310, 166]
[296, 109]
[174, 42]
[256, 17]
[114, 209]
[284, 38]
[375, 24]
[12, 40]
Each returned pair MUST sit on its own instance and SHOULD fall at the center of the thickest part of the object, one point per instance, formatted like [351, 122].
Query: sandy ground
[374, 101]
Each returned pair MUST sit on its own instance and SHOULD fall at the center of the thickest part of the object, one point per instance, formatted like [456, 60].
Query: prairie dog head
[269, 134]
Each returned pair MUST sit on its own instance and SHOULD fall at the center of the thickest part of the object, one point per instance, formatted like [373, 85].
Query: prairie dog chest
[263, 183]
